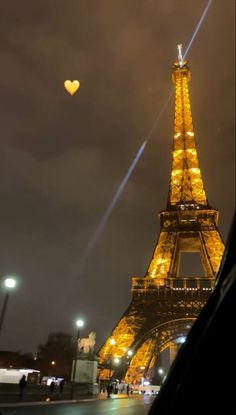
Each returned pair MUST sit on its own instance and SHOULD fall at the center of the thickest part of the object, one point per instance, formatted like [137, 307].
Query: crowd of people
[114, 388]
[56, 387]
[53, 384]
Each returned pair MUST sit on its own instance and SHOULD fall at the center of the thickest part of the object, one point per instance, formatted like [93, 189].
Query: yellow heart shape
[71, 87]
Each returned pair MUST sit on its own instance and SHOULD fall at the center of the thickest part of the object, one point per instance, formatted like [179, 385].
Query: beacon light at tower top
[180, 56]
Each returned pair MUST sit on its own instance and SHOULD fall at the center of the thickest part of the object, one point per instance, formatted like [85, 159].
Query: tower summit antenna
[180, 56]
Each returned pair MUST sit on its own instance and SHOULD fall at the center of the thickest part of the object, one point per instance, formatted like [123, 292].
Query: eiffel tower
[165, 304]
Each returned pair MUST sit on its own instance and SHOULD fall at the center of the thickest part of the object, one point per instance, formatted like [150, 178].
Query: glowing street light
[129, 358]
[79, 323]
[9, 284]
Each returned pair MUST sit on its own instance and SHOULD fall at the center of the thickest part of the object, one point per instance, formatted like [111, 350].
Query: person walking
[109, 390]
[22, 385]
[52, 386]
[61, 386]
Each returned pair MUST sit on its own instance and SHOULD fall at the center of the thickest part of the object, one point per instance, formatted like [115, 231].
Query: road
[124, 406]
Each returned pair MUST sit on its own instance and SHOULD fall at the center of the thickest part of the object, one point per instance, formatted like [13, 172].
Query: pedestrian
[127, 390]
[61, 386]
[109, 390]
[52, 385]
[22, 385]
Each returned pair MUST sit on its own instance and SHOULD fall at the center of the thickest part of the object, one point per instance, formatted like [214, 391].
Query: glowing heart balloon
[72, 86]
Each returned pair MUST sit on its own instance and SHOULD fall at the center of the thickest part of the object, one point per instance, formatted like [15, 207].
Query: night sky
[63, 157]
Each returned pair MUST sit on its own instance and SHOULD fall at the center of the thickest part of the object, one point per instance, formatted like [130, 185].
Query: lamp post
[130, 353]
[9, 284]
[128, 359]
[112, 343]
[79, 323]
[109, 387]
[161, 374]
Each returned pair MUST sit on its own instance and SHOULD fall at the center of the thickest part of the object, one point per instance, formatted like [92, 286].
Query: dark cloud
[62, 158]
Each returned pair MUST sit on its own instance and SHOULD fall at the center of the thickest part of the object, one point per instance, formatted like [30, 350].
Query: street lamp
[9, 284]
[79, 323]
[128, 359]
[112, 343]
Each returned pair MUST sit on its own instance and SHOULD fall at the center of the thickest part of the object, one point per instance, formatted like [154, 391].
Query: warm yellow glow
[140, 360]
[175, 172]
[177, 135]
[181, 189]
[161, 260]
[195, 170]
[53, 362]
[112, 342]
[215, 247]
[191, 150]
[177, 153]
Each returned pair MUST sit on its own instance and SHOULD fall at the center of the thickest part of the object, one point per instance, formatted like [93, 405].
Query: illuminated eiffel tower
[165, 304]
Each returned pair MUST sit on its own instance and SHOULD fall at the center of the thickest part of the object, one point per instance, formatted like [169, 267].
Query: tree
[9, 359]
[55, 357]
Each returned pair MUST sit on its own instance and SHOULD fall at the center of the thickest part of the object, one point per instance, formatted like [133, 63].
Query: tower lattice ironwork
[164, 304]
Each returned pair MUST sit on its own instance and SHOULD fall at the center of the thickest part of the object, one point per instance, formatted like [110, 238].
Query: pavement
[58, 402]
